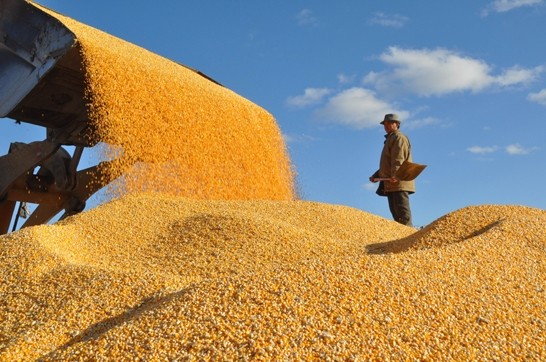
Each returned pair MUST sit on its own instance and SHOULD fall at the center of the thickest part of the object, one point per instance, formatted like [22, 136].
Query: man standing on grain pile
[396, 150]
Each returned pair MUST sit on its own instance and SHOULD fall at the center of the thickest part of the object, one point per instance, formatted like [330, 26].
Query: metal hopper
[42, 82]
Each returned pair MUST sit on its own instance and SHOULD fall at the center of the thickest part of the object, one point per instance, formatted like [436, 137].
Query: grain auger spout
[42, 83]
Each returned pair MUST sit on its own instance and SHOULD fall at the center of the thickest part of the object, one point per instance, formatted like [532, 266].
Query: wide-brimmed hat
[391, 117]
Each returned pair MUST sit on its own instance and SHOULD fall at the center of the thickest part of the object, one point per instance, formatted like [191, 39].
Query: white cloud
[539, 97]
[306, 18]
[431, 72]
[513, 149]
[357, 107]
[502, 6]
[372, 78]
[392, 21]
[295, 138]
[482, 150]
[518, 75]
[421, 71]
[344, 79]
[309, 97]
[517, 149]
[441, 71]
[420, 123]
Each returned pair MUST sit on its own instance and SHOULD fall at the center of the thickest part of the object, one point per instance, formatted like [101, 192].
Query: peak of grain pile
[162, 278]
[179, 132]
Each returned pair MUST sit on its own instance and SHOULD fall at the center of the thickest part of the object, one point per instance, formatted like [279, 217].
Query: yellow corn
[157, 277]
[177, 274]
[188, 136]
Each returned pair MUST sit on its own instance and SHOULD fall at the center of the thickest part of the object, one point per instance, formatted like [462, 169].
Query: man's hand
[390, 179]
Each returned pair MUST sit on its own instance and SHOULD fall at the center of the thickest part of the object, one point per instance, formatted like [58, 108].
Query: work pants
[400, 207]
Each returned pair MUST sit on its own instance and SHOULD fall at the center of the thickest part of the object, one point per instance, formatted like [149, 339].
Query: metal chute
[42, 83]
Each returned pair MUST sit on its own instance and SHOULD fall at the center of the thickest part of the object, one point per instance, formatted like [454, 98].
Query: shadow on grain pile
[485, 221]
[422, 239]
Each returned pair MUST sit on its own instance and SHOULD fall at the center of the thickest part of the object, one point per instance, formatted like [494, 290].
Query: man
[396, 150]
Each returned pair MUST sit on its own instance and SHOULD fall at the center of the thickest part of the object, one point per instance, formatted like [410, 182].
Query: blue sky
[467, 77]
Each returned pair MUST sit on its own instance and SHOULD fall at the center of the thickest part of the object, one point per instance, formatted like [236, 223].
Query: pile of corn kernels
[175, 275]
[157, 277]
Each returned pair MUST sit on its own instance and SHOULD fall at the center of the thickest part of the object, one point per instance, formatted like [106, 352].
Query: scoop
[408, 171]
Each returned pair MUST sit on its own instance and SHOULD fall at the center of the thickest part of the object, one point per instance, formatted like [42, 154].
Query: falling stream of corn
[197, 266]
[179, 132]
